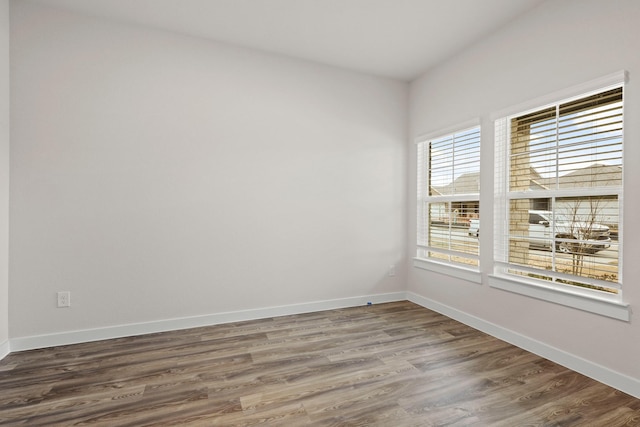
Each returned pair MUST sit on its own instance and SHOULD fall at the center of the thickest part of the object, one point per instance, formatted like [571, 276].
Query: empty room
[319, 212]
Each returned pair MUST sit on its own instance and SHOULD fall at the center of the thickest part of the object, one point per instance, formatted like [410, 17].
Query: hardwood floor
[395, 364]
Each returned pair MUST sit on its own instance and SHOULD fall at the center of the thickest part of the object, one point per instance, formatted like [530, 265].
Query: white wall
[557, 45]
[4, 177]
[157, 176]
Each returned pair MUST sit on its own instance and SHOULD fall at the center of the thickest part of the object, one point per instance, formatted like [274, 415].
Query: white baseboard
[119, 331]
[5, 349]
[599, 373]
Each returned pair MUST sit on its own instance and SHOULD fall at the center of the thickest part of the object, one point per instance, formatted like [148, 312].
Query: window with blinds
[448, 197]
[559, 174]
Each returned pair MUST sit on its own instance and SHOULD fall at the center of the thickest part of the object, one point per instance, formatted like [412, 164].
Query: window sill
[601, 306]
[468, 274]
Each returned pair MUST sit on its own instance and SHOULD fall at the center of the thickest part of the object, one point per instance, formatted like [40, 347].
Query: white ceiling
[394, 38]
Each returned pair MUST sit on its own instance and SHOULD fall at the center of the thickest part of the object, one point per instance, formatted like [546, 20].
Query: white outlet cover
[64, 299]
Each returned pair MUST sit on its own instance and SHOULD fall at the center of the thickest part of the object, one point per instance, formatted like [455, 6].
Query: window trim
[619, 77]
[469, 273]
[606, 305]
[447, 130]
[454, 270]
[567, 297]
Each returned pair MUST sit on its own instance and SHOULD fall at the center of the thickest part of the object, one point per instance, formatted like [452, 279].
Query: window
[448, 197]
[559, 194]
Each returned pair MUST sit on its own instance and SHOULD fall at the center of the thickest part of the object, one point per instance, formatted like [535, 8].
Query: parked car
[474, 227]
[593, 237]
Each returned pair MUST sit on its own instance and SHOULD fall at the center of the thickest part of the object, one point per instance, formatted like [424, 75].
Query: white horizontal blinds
[466, 162]
[501, 181]
[454, 165]
[564, 241]
[422, 205]
[588, 223]
[439, 226]
[533, 150]
[575, 144]
[590, 141]
[441, 166]
[451, 166]
[570, 156]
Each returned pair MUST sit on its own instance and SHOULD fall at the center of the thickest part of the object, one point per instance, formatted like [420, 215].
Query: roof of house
[589, 176]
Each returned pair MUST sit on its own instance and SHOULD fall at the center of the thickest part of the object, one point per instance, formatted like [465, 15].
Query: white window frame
[468, 273]
[611, 305]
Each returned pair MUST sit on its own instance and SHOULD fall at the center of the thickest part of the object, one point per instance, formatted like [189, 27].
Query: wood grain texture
[395, 364]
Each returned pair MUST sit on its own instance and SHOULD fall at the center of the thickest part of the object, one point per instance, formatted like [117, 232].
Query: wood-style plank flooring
[395, 364]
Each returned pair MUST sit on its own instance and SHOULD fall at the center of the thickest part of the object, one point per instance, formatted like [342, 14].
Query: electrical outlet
[392, 270]
[64, 299]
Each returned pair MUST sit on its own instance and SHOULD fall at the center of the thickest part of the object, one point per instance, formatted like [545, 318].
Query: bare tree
[583, 222]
